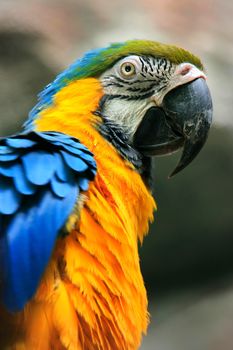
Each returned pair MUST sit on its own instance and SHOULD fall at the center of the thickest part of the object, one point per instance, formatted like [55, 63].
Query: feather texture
[86, 291]
[95, 62]
[41, 176]
[84, 298]
[100, 269]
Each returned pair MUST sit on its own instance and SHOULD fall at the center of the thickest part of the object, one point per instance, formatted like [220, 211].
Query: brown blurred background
[187, 260]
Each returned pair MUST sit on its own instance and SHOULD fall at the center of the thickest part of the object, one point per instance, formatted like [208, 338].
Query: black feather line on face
[147, 60]
[126, 82]
[153, 74]
[135, 89]
[114, 84]
[131, 97]
[142, 62]
[143, 75]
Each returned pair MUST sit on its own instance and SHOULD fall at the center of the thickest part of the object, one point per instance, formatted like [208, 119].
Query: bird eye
[127, 70]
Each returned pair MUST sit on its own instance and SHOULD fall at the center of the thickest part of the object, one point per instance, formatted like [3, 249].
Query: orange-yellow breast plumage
[92, 296]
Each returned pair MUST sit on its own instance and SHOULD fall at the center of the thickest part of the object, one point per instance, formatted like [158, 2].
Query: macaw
[75, 194]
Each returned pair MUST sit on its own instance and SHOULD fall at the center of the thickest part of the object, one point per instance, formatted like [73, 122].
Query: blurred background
[187, 259]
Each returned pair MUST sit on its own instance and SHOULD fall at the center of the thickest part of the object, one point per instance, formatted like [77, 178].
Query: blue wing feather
[39, 186]
[83, 183]
[19, 143]
[63, 172]
[61, 188]
[22, 184]
[75, 163]
[6, 149]
[10, 198]
[6, 157]
[36, 242]
[39, 166]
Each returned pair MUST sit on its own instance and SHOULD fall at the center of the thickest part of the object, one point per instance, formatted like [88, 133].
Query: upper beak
[182, 120]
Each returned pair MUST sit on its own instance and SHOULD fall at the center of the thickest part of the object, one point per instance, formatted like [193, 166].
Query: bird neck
[73, 112]
[119, 139]
[100, 263]
[77, 107]
[70, 109]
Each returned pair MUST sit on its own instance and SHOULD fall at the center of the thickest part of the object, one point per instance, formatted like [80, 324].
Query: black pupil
[128, 68]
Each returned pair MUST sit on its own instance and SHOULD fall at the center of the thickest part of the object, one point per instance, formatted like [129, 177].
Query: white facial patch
[127, 114]
[132, 86]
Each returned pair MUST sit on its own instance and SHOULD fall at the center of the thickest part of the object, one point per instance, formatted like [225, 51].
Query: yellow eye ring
[127, 70]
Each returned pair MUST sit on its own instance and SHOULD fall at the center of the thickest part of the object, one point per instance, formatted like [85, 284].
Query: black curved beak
[183, 120]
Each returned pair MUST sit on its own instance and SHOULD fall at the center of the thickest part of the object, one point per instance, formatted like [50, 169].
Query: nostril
[185, 70]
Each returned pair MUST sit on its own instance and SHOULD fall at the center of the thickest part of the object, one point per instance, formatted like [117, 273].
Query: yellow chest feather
[92, 295]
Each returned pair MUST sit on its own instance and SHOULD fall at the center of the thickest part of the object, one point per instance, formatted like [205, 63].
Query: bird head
[155, 97]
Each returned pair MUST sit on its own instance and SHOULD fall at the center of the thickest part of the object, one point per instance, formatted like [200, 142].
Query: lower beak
[183, 120]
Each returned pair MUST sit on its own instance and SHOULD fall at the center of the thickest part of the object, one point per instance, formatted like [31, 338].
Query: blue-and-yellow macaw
[75, 194]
